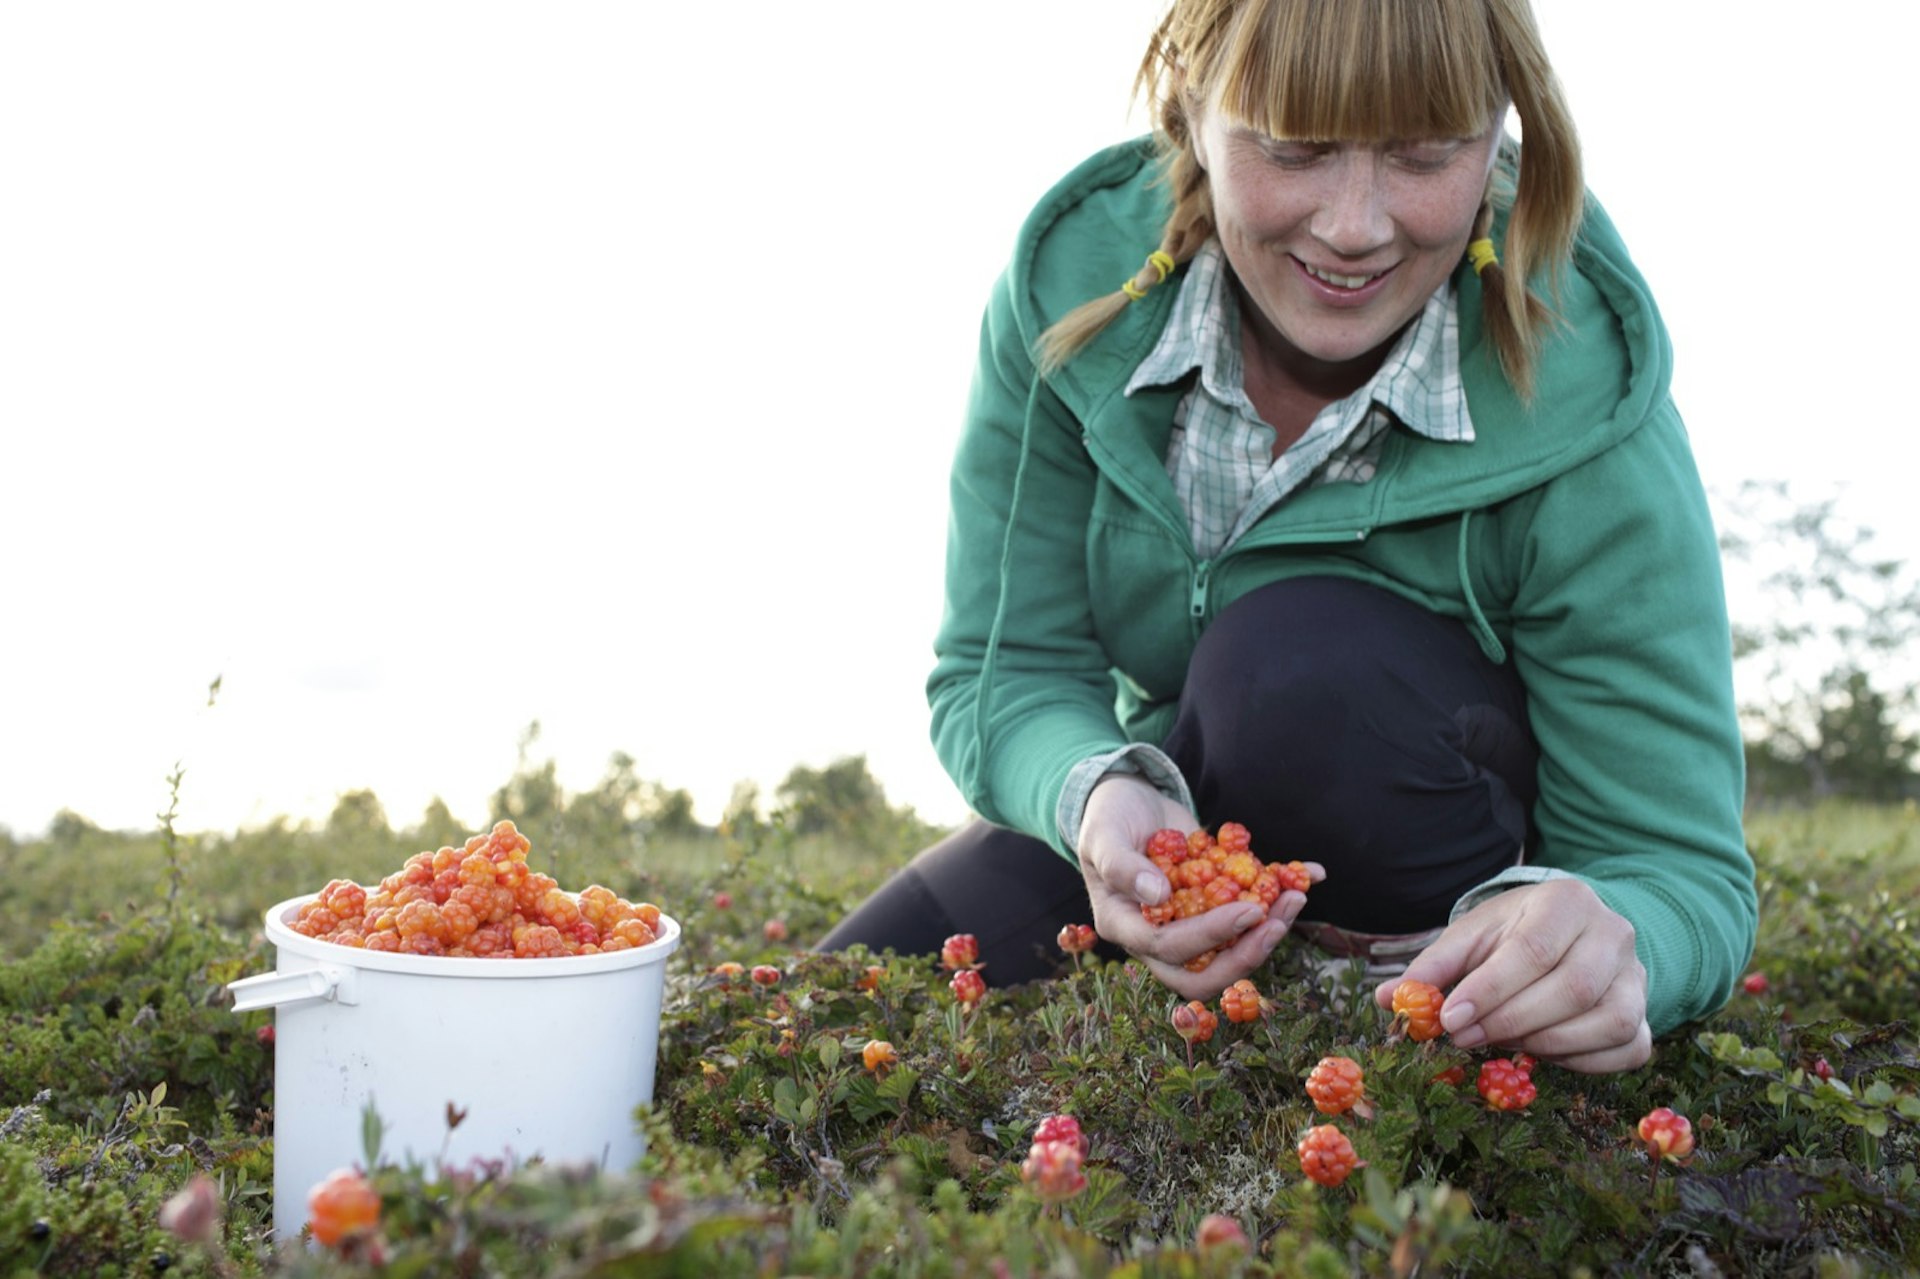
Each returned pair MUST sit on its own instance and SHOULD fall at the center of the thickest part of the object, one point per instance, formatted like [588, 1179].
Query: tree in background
[843, 801]
[1827, 665]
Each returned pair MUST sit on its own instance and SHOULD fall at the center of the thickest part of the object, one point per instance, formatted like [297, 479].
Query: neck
[1279, 364]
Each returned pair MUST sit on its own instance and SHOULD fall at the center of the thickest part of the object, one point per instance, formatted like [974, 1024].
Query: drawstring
[1482, 629]
[983, 703]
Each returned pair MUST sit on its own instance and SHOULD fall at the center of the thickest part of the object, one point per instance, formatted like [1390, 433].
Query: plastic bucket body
[545, 1057]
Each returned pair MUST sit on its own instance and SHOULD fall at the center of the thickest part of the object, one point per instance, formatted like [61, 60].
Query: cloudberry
[1194, 1022]
[765, 975]
[1052, 1169]
[962, 950]
[1241, 1002]
[1505, 1086]
[869, 978]
[723, 900]
[1076, 939]
[967, 986]
[1416, 1005]
[878, 1055]
[1219, 1230]
[1233, 838]
[727, 970]
[1062, 1128]
[1336, 1085]
[1170, 844]
[1326, 1156]
[1755, 983]
[340, 1205]
[774, 930]
[1666, 1134]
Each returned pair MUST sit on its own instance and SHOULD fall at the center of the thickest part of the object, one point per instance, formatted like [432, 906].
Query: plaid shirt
[1221, 455]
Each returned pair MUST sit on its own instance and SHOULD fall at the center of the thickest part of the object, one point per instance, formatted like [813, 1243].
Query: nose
[1352, 219]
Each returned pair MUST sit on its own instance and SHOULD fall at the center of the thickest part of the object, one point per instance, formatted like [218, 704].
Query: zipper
[1197, 599]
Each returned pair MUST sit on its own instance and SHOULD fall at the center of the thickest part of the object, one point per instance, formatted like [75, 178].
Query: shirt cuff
[1513, 877]
[1137, 760]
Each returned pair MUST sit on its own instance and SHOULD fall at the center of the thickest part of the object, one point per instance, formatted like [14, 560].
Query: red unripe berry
[1077, 938]
[1820, 1067]
[1168, 844]
[968, 986]
[341, 1205]
[1666, 1134]
[1335, 1085]
[1217, 1230]
[1419, 1004]
[1453, 1076]
[1061, 1128]
[1755, 983]
[1326, 1156]
[775, 929]
[765, 975]
[1194, 1022]
[1505, 1086]
[723, 901]
[962, 950]
[1052, 1169]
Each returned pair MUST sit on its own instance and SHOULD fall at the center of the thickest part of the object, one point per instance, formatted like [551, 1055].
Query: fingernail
[1248, 918]
[1453, 1016]
[1146, 886]
[1471, 1037]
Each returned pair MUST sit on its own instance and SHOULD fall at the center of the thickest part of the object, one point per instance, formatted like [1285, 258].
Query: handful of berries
[479, 901]
[1208, 871]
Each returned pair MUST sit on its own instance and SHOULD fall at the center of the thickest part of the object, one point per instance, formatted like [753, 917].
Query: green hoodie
[1572, 537]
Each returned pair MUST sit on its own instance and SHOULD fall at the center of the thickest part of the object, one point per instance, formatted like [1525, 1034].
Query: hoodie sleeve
[1621, 637]
[1022, 691]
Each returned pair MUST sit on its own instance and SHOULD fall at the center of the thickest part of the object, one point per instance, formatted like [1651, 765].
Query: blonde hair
[1367, 71]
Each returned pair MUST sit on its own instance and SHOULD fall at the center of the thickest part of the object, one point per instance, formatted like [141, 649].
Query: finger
[1610, 1022]
[1583, 979]
[1519, 959]
[1217, 929]
[1632, 1055]
[1454, 953]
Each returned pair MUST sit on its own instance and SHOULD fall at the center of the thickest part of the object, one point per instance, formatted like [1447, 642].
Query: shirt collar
[1419, 381]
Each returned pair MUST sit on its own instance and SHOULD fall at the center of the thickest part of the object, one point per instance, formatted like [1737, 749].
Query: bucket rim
[281, 934]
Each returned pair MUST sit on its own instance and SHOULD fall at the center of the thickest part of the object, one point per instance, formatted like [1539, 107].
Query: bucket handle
[271, 990]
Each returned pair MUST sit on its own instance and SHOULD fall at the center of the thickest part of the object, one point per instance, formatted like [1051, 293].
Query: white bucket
[547, 1057]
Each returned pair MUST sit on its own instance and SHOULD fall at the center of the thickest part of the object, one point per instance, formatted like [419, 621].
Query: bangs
[1360, 70]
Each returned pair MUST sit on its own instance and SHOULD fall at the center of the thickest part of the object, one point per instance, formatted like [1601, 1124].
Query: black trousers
[1338, 722]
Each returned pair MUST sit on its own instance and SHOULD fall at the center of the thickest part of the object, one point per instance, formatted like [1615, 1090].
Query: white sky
[428, 369]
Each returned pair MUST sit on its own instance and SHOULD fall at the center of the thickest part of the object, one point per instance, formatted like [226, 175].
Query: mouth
[1339, 280]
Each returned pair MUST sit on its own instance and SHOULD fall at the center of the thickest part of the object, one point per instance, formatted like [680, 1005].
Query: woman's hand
[1122, 815]
[1546, 969]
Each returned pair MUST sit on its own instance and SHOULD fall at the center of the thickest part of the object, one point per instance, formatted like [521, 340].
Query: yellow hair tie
[1162, 265]
[1480, 253]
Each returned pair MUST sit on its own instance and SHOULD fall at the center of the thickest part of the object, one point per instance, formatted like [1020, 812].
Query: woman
[1359, 514]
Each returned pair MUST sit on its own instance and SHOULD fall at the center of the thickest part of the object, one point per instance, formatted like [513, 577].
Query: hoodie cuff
[1138, 760]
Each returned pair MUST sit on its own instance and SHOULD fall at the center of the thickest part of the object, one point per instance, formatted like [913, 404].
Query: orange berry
[1076, 939]
[1417, 1005]
[1241, 1002]
[342, 1204]
[962, 950]
[1326, 1156]
[1336, 1085]
[878, 1055]
[1218, 1230]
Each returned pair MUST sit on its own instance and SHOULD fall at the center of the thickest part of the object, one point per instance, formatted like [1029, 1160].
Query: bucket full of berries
[510, 1021]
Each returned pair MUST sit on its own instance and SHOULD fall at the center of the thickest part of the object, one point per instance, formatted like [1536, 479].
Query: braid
[1188, 227]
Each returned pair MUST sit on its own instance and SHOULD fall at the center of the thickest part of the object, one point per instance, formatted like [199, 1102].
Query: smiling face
[1338, 245]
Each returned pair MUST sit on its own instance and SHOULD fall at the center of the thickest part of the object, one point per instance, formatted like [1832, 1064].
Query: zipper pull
[1197, 603]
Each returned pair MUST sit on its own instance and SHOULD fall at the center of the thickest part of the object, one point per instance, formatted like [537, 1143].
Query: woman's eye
[1424, 159]
[1296, 155]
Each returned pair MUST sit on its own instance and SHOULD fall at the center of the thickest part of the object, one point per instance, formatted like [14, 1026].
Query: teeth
[1343, 281]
